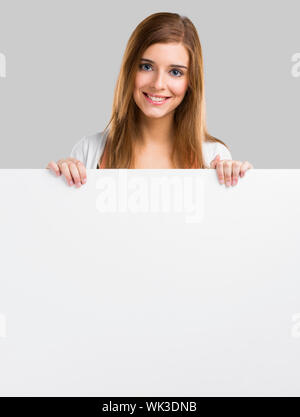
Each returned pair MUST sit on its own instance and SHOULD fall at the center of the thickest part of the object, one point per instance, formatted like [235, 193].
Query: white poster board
[116, 289]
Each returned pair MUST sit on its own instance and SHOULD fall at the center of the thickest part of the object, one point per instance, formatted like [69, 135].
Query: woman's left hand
[229, 170]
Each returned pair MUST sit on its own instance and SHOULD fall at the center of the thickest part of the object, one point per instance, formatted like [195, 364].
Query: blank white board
[150, 283]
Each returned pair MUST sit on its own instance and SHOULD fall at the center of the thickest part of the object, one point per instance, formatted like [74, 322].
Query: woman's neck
[156, 132]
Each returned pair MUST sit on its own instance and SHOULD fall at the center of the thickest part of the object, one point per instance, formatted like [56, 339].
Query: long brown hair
[189, 116]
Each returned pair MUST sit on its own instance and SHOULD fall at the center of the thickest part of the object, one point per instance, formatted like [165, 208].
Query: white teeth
[156, 98]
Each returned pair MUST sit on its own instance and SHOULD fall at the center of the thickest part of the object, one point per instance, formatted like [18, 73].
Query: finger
[227, 168]
[72, 160]
[220, 172]
[215, 161]
[75, 173]
[82, 171]
[244, 167]
[236, 165]
[53, 167]
[66, 172]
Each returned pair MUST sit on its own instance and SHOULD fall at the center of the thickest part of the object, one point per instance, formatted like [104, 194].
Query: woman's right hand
[73, 170]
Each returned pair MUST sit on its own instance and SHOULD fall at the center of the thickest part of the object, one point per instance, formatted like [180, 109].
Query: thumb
[214, 161]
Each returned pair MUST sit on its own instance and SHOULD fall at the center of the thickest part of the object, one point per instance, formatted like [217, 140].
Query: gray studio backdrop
[59, 62]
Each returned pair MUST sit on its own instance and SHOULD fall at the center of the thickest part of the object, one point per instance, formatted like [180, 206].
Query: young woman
[158, 116]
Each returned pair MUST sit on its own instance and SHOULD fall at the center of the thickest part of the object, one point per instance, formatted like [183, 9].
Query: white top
[90, 148]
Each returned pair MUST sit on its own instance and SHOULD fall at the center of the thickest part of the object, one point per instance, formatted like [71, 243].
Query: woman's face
[163, 71]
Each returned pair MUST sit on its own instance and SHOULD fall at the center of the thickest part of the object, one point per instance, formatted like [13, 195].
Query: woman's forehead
[166, 52]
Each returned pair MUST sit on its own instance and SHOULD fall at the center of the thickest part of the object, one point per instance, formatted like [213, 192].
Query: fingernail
[71, 182]
[84, 180]
[222, 181]
[78, 184]
[228, 183]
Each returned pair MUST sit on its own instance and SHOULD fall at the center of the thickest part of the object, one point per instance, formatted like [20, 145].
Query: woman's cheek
[180, 90]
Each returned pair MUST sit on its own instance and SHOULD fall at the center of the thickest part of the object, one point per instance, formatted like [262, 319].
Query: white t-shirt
[90, 148]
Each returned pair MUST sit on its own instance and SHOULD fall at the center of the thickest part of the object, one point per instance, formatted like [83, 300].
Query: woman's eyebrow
[172, 65]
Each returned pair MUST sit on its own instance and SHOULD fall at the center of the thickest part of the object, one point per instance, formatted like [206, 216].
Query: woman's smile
[155, 100]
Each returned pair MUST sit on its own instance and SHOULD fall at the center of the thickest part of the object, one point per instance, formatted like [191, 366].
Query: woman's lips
[155, 102]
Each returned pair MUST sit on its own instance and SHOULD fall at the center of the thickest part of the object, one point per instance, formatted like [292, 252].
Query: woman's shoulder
[89, 148]
[213, 148]
[95, 140]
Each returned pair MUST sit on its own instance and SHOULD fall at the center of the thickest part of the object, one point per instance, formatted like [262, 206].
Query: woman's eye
[177, 71]
[148, 65]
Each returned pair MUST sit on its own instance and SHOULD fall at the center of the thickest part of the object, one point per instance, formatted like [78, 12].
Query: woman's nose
[158, 81]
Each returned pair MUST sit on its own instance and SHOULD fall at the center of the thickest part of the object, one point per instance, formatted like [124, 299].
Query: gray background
[63, 59]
